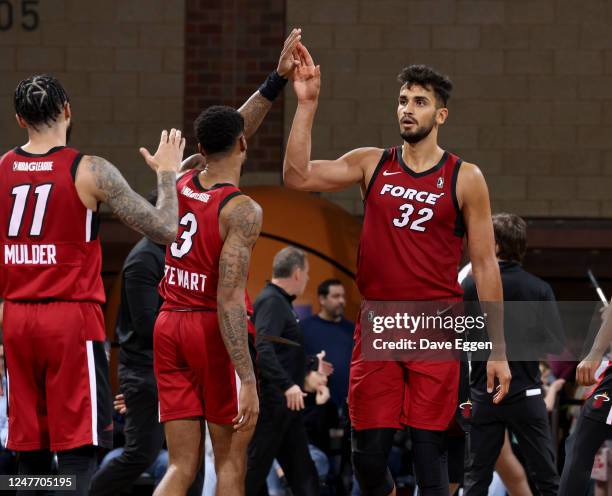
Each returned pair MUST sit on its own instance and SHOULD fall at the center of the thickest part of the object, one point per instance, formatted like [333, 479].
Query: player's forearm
[167, 209]
[299, 145]
[253, 112]
[490, 294]
[159, 224]
[233, 325]
[603, 339]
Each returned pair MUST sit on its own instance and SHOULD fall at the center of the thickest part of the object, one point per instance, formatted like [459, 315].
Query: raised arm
[299, 171]
[473, 196]
[259, 103]
[241, 221]
[98, 180]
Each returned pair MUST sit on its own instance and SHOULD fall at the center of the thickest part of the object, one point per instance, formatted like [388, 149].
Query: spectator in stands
[283, 366]
[330, 331]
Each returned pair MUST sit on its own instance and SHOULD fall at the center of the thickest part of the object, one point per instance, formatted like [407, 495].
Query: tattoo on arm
[159, 223]
[244, 224]
[253, 111]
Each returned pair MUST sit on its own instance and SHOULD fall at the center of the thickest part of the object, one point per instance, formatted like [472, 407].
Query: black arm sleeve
[141, 279]
[269, 321]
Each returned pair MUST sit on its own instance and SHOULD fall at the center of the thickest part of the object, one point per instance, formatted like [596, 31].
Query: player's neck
[43, 142]
[422, 155]
[330, 318]
[220, 173]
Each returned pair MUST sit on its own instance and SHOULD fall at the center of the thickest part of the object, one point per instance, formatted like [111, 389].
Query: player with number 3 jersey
[202, 361]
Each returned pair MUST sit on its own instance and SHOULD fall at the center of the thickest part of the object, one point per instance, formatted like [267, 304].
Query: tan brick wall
[532, 104]
[122, 64]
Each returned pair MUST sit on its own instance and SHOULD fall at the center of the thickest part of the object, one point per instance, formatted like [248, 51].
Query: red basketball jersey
[50, 248]
[192, 261]
[412, 237]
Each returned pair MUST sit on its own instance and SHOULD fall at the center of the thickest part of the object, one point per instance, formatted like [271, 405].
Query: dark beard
[68, 133]
[418, 135]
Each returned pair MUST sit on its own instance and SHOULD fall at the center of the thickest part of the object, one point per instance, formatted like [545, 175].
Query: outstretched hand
[169, 152]
[288, 59]
[306, 76]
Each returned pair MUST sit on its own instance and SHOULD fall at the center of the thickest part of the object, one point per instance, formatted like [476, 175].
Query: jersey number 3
[183, 245]
[406, 211]
[20, 197]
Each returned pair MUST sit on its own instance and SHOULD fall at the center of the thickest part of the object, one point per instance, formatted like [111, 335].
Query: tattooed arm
[241, 219]
[98, 180]
[253, 111]
[239, 225]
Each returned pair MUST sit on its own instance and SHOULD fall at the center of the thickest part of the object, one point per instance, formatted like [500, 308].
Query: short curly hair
[217, 128]
[428, 78]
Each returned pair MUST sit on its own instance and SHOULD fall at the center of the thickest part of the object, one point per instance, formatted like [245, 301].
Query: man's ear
[200, 149]
[442, 116]
[67, 111]
[243, 143]
[20, 121]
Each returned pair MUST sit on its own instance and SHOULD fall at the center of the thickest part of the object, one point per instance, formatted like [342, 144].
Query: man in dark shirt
[140, 302]
[523, 410]
[329, 330]
[282, 364]
[144, 435]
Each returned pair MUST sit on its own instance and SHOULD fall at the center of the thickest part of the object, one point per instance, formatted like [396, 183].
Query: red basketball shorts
[59, 395]
[195, 375]
[393, 394]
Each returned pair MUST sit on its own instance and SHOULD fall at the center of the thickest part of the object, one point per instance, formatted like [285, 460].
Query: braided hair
[40, 99]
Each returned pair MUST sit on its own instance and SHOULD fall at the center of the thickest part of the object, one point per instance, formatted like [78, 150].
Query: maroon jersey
[50, 249]
[192, 261]
[412, 236]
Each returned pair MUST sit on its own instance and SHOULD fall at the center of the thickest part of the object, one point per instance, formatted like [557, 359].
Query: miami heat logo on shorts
[600, 399]
[466, 409]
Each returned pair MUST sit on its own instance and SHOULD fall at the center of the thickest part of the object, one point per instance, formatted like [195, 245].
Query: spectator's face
[334, 302]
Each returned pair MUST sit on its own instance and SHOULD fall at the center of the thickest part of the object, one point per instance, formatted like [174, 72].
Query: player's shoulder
[470, 170]
[241, 208]
[364, 155]
[470, 180]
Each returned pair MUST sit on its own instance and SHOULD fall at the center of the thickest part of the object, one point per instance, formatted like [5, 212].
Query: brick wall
[230, 48]
[532, 104]
[122, 64]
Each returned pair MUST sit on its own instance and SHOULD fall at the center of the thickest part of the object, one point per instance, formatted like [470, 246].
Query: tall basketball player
[203, 367]
[410, 249]
[59, 396]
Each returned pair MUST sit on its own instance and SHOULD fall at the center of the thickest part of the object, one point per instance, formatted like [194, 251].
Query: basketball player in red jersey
[50, 279]
[419, 201]
[203, 367]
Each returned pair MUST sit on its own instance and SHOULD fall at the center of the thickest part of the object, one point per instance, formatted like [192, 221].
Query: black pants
[581, 448]
[280, 434]
[144, 435]
[527, 419]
